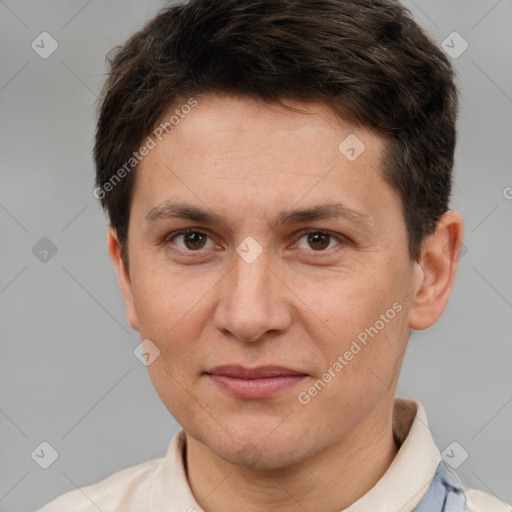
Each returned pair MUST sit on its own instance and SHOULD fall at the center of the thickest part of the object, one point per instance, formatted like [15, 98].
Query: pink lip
[261, 382]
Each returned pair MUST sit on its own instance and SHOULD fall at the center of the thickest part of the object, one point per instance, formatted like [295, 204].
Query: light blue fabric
[445, 494]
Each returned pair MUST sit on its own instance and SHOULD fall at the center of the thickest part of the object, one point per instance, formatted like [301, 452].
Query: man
[277, 176]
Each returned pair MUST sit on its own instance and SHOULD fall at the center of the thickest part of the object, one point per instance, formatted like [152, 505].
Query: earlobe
[434, 274]
[123, 276]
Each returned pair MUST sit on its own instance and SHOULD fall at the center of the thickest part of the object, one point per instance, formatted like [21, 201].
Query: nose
[253, 301]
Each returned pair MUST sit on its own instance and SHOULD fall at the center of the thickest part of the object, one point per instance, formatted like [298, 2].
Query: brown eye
[319, 240]
[190, 240]
[194, 240]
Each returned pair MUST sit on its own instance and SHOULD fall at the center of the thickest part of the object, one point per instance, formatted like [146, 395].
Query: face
[294, 256]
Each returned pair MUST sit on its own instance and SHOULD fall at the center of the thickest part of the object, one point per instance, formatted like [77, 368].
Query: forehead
[242, 154]
[266, 128]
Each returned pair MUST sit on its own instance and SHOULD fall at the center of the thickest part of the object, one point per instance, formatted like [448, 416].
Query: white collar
[407, 479]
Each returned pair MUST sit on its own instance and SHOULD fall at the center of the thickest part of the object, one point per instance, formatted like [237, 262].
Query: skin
[296, 305]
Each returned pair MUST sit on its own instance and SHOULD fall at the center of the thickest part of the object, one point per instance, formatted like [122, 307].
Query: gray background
[68, 375]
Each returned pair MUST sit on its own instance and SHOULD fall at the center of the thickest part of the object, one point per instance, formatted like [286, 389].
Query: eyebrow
[170, 210]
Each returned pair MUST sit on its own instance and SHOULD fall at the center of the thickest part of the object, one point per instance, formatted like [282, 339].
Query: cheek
[173, 320]
[364, 319]
[361, 361]
[170, 303]
[349, 301]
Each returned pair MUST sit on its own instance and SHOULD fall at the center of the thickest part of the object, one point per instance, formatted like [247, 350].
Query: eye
[319, 241]
[193, 240]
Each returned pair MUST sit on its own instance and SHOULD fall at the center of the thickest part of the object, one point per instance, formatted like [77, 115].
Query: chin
[256, 446]
[263, 456]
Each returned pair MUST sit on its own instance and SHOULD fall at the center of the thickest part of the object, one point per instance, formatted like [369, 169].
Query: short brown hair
[367, 59]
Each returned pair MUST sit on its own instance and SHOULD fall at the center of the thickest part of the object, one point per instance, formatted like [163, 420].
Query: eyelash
[318, 254]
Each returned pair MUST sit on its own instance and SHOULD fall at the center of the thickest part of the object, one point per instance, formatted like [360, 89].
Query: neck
[330, 481]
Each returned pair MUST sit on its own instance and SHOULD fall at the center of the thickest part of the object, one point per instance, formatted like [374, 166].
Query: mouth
[261, 382]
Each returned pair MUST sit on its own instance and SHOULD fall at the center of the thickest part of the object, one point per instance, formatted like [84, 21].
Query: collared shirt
[418, 480]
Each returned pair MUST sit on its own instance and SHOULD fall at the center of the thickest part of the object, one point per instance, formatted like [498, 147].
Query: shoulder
[123, 491]
[479, 501]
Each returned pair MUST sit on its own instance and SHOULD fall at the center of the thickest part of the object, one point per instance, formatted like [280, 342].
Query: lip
[261, 382]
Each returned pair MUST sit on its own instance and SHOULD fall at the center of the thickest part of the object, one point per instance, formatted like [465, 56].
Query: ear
[123, 276]
[435, 271]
